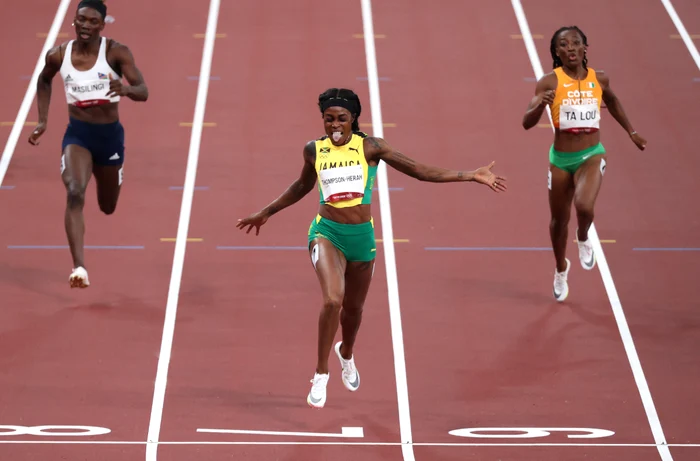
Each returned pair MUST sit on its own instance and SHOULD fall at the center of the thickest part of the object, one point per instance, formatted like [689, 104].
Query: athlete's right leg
[329, 264]
[588, 180]
[76, 168]
[561, 193]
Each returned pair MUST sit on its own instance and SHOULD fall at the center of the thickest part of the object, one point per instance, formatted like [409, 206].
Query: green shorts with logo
[355, 241]
[571, 161]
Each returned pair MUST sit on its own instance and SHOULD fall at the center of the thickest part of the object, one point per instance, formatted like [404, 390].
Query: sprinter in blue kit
[92, 68]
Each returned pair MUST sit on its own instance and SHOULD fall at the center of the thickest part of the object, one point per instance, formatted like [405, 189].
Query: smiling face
[337, 122]
[88, 24]
[570, 48]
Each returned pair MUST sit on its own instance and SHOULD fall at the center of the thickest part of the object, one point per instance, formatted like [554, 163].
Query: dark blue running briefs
[104, 141]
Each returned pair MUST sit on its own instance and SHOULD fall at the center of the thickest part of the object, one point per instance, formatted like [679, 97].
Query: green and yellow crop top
[345, 179]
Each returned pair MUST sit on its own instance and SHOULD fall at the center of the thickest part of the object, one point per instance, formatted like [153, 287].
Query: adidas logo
[114, 157]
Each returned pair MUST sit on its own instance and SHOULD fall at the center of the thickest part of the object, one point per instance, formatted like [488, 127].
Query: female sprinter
[577, 158]
[341, 237]
[91, 67]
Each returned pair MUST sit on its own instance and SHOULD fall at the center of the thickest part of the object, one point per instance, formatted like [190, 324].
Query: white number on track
[530, 432]
[53, 431]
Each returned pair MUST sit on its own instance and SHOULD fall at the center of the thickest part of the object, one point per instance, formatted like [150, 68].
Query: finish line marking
[350, 432]
[348, 443]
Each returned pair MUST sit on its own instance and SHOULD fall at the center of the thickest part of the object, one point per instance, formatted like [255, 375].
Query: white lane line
[11, 144]
[182, 231]
[388, 237]
[682, 31]
[625, 334]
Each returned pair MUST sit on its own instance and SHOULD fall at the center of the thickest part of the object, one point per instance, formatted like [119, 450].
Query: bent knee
[333, 303]
[75, 194]
[559, 223]
[584, 209]
[108, 209]
[353, 310]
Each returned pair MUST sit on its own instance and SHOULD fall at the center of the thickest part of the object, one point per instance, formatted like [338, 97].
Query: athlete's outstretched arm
[378, 149]
[544, 95]
[43, 91]
[137, 89]
[295, 192]
[615, 108]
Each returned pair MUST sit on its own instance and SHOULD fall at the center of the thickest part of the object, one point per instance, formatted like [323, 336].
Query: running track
[483, 341]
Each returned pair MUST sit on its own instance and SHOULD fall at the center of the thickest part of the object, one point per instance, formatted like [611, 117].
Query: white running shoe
[350, 375]
[317, 394]
[79, 278]
[586, 254]
[561, 287]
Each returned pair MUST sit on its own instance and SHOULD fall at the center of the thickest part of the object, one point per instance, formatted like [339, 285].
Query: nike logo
[356, 383]
[567, 85]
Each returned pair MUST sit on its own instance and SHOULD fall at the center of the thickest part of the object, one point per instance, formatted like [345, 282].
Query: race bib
[579, 112]
[89, 93]
[342, 183]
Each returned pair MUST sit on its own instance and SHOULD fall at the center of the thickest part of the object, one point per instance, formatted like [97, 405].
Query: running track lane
[21, 58]
[245, 336]
[657, 288]
[88, 357]
[501, 352]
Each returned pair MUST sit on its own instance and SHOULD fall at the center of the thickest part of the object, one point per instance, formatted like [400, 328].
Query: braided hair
[342, 97]
[553, 46]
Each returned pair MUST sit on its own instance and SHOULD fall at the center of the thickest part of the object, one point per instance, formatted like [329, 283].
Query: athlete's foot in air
[349, 374]
[561, 286]
[317, 394]
[79, 278]
[585, 253]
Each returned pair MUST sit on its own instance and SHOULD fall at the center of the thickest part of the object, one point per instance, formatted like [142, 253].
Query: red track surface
[485, 343]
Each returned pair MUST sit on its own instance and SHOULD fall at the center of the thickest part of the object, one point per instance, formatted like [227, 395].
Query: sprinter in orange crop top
[340, 239]
[574, 92]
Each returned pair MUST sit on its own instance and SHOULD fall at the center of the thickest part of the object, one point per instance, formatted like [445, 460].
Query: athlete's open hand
[639, 141]
[255, 220]
[116, 87]
[484, 175]
[36, 134]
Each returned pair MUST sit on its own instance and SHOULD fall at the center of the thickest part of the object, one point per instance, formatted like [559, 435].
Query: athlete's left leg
[587, 180]
[358, 277]
[108, 179]
[108, 167]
